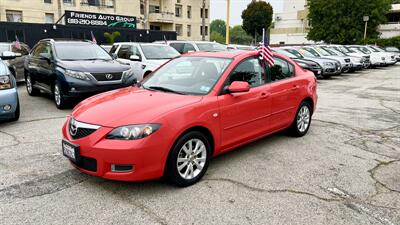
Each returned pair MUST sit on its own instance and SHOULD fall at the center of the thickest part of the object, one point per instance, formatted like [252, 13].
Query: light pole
[365, 19]
[228, 6]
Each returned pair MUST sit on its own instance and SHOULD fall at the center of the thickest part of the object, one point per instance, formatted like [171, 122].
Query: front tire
[302, 120]
[188, 160]
[58, 96]
[32, 91]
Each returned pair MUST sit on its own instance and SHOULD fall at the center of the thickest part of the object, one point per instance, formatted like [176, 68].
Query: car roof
[139, 43]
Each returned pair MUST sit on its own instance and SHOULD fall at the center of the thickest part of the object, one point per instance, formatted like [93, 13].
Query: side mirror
[239, 86]
[6, 55]
[135, 58]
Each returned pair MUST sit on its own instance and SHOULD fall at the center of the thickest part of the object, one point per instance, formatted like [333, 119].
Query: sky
[218, 9]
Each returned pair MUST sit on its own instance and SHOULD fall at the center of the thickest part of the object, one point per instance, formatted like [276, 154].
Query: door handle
[264, 95]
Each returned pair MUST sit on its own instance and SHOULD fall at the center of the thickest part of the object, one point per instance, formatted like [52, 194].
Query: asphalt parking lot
[345, 171]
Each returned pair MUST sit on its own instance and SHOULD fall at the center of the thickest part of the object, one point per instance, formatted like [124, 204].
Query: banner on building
[99, 19]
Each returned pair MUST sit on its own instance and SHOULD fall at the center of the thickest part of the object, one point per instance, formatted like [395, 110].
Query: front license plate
[71, 151]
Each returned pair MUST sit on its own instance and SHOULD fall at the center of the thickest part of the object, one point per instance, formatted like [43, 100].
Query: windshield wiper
[165, 89]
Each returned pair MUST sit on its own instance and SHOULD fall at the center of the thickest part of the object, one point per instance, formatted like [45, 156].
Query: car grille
[86, 163]
[83, 132]
[79, 130]
[347, 60]
[107, 76]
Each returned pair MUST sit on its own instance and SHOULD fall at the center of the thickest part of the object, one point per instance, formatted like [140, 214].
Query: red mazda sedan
[192, 108]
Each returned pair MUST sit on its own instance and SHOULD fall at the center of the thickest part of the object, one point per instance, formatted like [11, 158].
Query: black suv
[70, 69]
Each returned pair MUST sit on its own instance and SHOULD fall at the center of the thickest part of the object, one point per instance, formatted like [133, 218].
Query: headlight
[128, 73]
[5, 82]
[77, 74]
[133, 132]
[302, 64]
[328, 64]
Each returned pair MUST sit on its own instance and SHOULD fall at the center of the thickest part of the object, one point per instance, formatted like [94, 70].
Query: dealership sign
[99, 19]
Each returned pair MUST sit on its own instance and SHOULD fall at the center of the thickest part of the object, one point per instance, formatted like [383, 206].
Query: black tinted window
[178, 47]
[250, 71]
[282, 69]
[113, 49]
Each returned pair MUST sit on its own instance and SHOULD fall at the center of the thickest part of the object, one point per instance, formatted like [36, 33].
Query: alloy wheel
[303, 119]
[28, 84]
[57, 95]
[191, 159]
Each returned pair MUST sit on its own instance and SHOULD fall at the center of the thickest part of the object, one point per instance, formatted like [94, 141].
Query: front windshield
[373, 49]
[345, 50]
[337, 52]
[295, 52]
[159, 52]
[211, 47]
[4, 48]
[80, 51]
[188, 75]
[324, 51]
[364, 50]
[286, 53]
[308, 53]
[392, 49]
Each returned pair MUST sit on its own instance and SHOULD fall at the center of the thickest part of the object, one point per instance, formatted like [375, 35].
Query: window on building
[201, 30]
[154, 8]
[178, 1]
[93, 2]
[49, 18]
[47, 1]
[68, 2]
[155, 27]
[13, 16]
[189, 11]
[189, 30]
[178, 10]
[201, 13]
[141, 7]
[178, 29]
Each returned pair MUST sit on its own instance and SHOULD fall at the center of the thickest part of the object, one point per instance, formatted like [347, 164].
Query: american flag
[93, 38]
[17, 44]
[266, 51]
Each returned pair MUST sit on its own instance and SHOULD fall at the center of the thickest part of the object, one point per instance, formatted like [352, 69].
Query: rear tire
[58, 96]
[32, 91]
[188, 160]
[302, 120]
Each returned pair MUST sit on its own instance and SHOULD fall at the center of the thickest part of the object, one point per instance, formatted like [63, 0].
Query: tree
[215, 36]
[256, 16]
[218, 26]
[110, 37]
[239, 36]
[341, 21]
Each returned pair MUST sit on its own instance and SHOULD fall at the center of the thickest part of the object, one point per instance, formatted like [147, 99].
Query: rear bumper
[8, 97]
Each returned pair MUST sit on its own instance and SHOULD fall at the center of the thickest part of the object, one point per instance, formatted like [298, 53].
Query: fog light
[7, 107]
[121, 168]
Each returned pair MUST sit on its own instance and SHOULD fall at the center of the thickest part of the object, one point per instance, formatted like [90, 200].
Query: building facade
[291, 26]
[392, 27]
[182, 16]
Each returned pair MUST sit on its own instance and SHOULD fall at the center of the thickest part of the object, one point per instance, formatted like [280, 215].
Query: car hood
[3, 68]
[129, 106]
[95, 66]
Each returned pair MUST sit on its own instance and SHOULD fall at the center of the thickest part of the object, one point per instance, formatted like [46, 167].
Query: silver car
[345, 62]
[9, 103]
[16, 65]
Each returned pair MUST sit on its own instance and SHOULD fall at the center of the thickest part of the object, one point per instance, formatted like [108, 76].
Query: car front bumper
[8, 97]
[147, 156]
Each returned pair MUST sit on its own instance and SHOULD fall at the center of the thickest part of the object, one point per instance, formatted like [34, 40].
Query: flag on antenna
[265, 50]
[93, 37]
[17, 44]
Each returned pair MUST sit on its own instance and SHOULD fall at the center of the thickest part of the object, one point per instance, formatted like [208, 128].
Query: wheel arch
[310, 101]
[204, 130]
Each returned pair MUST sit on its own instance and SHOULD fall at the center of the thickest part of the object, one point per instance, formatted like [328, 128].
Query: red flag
[93, 38]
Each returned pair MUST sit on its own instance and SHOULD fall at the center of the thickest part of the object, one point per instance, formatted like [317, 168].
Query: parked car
[345, 62]
[195, 46]
[15, 65]
[144, 58]
[376, 59]
[353, 52]
[390, 56]
[357, 63]
[304, 63]
[73, 69]
[241, 47]
[174, 121]
[329, 66]
[9, 102]
[395, 51]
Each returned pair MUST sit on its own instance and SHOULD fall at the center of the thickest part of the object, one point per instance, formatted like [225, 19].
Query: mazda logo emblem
[72, 127]
[109, 76]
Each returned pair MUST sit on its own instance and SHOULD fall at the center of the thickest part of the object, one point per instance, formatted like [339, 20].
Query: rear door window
[281, 70]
